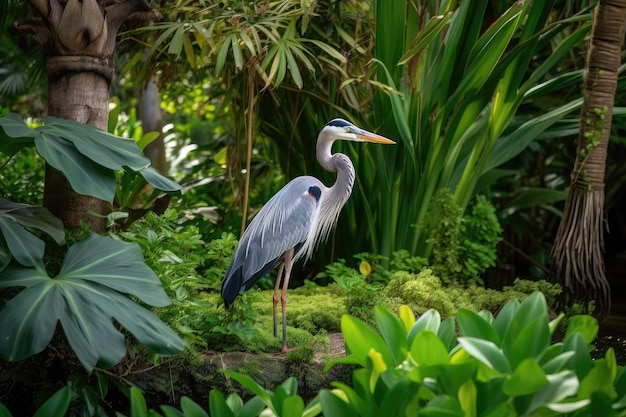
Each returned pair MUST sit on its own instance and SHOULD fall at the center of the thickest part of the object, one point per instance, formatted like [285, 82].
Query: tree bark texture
[578, 251]
[78, 39]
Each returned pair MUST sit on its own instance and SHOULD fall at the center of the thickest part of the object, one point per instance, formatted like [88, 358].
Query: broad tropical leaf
[88, 293]
[86, 156]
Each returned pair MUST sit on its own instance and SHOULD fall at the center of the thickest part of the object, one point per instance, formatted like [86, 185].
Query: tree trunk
[578, 251]
[78, 39]
[83, 96]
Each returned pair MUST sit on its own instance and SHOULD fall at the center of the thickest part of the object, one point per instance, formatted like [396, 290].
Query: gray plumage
[295, 220]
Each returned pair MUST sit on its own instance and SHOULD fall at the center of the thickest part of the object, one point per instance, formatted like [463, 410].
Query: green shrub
[499, 366]
[425, 291]
[463, 246]
[178, 255]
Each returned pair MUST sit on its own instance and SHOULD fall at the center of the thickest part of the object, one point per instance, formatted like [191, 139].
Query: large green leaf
[560, 386]
[473, 325]
[33, 216]
[487, 352]
[361, 338]
[89, 291]
[394, 333]
[108, 150]
[87, 156]
[56, 405]
[27, 249]
[527, 379]
[14, 134]
[84, 175]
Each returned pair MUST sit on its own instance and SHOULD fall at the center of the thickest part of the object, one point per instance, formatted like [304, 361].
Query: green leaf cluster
[90, 289]
[88, 157]
[497, 366]
[476, 364]
[450, 80]
[189, 269]
[99, 278]
[463, 246]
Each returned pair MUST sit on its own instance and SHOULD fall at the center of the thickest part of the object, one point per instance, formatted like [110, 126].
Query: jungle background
[225, 98]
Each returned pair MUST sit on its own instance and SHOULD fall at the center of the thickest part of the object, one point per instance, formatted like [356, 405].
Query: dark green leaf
[191, 408]
[158, 181]
[531, 342]
[115, 264]
[580, 362]
[14, 135]
[101, 147]
[33, 216]
[84, 297]
[472, 325]
[4, 412]
[560, 386]
[27, 249]
[85, 176]
[57, 405]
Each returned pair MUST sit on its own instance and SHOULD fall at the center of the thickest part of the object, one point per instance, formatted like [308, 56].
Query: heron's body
[271, 233]
[295, 220]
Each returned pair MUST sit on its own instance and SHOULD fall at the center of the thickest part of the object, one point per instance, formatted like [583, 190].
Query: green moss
[424, 291]
[250, 367]
[360, 301]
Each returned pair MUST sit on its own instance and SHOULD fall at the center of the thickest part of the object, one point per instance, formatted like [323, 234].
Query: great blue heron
[295, 220]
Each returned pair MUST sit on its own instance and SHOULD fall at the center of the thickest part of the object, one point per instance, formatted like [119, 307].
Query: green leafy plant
[284, 401]
[19, 242]
[463, 246]
[449, 82]
[88, 157]
[498, 366]
[56, 406]
[89, 289]
[97, 274]
[189, 269]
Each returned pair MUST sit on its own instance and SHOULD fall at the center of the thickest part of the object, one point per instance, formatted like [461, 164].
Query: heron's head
[344, 130]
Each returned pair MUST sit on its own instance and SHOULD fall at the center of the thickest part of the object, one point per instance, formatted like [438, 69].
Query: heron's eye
[348, 130]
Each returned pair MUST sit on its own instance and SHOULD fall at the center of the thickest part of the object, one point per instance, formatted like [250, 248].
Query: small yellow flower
[365, 268]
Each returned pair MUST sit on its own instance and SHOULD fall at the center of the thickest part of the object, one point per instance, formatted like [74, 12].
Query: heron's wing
[283, 223]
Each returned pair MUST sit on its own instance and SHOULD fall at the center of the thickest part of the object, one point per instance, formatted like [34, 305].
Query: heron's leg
[276, 297]
[288, 258]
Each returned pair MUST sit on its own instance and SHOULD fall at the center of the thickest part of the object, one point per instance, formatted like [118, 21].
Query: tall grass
[449, 83]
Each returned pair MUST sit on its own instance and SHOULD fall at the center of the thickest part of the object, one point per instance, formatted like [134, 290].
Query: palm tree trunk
[78, 39]
[578, 251]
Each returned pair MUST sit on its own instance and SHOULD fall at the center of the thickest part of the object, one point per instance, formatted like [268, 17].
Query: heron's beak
[366, 136]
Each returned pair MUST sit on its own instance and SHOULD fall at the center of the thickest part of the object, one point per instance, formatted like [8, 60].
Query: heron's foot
[285, 349]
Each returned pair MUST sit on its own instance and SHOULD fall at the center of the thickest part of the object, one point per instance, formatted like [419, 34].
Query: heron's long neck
[340, 164]
[334, 199]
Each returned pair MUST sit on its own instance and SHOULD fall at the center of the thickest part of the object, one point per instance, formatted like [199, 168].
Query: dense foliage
[503, 365]
[479, 98]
